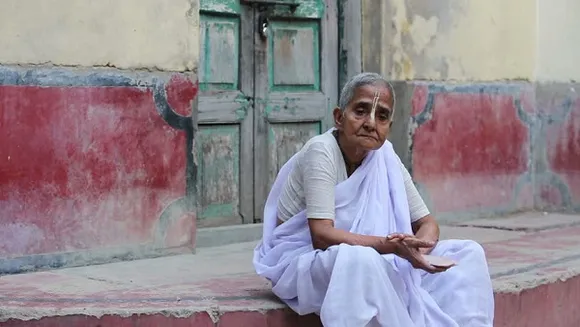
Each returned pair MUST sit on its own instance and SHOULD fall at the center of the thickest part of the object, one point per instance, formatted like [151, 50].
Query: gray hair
[361, 80]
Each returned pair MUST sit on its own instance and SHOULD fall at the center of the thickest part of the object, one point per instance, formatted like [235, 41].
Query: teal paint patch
[217, 210]
[271, 135]
[221, 6]
[221, 25]
[269, 108]
[218, 148]
[265, 103]
[245, 105]
[217, 86]
[289, 28]
[294, 88]
[288, 105]
[311, 9]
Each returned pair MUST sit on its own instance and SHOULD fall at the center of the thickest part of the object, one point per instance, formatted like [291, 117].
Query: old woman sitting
[346, 232]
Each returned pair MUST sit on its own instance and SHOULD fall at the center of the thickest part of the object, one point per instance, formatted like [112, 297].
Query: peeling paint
[89, 194]
[453, 40]
[221, 6]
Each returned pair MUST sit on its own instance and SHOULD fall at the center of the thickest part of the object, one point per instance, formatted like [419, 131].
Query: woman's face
[366, 121]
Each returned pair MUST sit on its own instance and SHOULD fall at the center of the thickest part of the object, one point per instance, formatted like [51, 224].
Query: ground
[534, 260]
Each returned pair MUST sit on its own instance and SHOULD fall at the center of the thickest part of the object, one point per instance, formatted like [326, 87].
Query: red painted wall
[562, 139]
[86, 167]
[486, 149]
[101, 161]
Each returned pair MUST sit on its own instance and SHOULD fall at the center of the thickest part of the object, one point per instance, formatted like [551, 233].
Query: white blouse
[319, 167]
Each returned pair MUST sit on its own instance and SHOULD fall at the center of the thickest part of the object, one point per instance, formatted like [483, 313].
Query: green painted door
[295, 84]
[268, 77]
[224, 140]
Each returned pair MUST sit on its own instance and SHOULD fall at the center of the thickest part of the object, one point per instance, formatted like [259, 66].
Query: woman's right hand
[408, 249]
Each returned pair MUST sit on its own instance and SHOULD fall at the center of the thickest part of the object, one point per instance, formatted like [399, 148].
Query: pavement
[534, 260]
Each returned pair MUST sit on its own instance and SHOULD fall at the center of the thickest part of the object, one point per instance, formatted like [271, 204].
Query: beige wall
[129, 34]
[472, 40]
[559, 40]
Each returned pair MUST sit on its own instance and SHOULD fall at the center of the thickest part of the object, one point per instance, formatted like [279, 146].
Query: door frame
[349, 43]
[350, 60]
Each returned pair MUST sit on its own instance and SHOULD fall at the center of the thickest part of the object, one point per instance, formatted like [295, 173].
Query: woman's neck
[353, 157]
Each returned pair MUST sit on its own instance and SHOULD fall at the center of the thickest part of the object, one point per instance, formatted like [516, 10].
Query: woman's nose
[369, 123]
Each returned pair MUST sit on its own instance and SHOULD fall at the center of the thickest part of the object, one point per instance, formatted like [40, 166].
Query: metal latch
[265, 8]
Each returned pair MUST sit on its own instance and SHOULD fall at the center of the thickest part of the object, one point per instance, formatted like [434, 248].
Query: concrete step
[534, 259]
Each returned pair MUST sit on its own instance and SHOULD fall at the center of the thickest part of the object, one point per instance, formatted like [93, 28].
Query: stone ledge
[536, 277]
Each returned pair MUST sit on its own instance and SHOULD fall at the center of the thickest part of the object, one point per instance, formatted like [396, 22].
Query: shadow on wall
[491, 149]
[94, 166]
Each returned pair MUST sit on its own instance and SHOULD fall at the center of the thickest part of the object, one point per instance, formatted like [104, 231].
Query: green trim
[217, 210]
[221, 6]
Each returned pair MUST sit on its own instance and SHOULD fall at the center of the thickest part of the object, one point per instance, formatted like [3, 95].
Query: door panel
[225, 115]
[293, 54]
[294, 87]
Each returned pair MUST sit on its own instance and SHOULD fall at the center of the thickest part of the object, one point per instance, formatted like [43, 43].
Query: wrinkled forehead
[377, 93]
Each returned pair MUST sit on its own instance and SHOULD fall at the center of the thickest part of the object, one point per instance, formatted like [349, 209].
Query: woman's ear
[338, 117]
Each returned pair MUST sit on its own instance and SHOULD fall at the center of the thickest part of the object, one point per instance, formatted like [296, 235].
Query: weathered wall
[96, 163]
[150, 34]
[489, 117]
[558, 40]
[451, 39]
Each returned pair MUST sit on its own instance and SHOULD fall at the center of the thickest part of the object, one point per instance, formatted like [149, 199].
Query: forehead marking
[374, 106]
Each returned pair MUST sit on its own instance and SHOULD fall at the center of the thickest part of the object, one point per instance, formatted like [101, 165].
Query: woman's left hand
[398, 236]
[402, 236]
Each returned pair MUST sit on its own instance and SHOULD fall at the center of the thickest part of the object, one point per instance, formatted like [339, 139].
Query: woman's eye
[360, 111]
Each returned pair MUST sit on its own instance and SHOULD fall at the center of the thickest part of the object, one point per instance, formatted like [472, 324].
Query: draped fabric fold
[352, 285]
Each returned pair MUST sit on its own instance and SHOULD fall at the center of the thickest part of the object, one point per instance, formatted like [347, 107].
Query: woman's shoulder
[324, 142]
[320, 148]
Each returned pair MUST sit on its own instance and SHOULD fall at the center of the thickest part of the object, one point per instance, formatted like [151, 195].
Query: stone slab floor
[534, 259]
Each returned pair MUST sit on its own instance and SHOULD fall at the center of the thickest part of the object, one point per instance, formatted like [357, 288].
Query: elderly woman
[346, 232]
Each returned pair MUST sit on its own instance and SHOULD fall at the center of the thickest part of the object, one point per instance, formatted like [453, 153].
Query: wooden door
[224, 140]
[296, 83]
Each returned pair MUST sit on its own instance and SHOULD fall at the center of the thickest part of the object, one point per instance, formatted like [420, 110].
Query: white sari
[354, 286]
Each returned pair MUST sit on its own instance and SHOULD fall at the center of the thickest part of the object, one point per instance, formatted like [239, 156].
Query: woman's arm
[319, 173]
[325, 235]
[426, 229]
